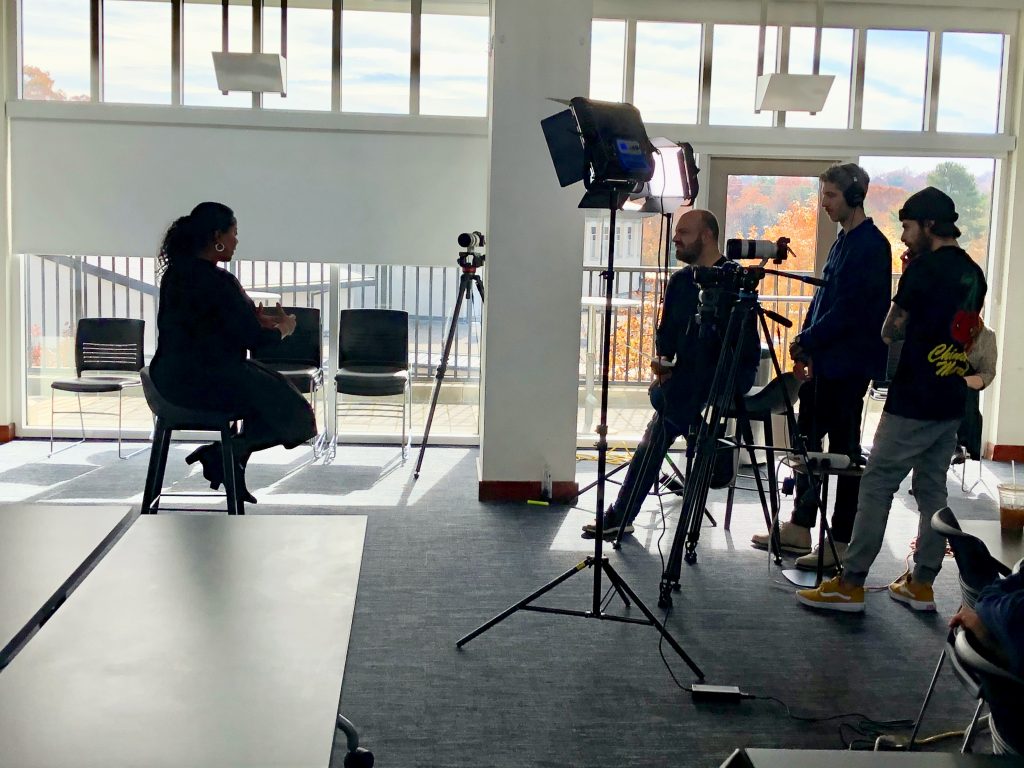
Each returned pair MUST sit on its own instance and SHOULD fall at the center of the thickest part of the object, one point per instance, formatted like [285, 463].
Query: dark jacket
[842, 330]
[206, 325]
[687, 391]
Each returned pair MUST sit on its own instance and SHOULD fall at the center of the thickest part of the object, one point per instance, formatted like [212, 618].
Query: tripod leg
[465, 286]
[614, 577]
[525, 601]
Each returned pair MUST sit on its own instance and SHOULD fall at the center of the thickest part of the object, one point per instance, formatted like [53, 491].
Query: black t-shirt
[943, 293]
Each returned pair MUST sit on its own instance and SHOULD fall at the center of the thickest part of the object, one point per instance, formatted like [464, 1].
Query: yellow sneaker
[833, 595]
[918, 596]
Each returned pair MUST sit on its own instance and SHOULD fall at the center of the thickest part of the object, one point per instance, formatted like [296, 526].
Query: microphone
[757, 249]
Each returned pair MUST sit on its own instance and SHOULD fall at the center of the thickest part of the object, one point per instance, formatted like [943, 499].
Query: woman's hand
[287, 325]
[975, 382]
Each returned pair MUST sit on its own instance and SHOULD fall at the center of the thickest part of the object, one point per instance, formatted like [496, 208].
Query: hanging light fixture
[783, 92]
[255, 72]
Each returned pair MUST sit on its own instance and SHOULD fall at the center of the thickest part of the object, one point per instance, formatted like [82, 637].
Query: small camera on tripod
[469, 259]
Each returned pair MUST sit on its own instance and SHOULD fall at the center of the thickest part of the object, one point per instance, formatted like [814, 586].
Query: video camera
[469, 259]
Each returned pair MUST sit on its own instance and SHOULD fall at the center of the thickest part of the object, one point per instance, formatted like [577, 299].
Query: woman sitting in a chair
[206, 325]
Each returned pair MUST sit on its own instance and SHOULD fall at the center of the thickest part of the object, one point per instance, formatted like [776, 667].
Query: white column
[9, 327]
[541, 50]
[1005, 310]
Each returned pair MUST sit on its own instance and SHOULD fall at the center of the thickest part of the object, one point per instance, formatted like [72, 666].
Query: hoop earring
[219, 247]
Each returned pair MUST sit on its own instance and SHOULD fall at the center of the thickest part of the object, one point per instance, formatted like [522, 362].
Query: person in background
[997, 623]
[684, 370]
[837, 354]
[206, 325]
[937, 314]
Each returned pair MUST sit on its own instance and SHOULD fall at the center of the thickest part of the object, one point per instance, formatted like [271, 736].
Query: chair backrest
[977, 567]
[373, 337]
[304, 347]
[109, 344]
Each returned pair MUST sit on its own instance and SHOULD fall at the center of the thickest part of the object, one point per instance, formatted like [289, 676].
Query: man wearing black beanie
[936, 313]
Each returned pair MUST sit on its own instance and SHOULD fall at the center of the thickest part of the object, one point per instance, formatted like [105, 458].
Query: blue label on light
[631, 155]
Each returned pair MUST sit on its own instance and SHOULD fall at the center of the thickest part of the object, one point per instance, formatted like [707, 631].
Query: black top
[679, 336]
[943, 293]
[841, 328]
[206, 324]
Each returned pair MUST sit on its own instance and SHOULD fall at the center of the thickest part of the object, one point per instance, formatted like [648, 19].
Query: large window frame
[176, 33]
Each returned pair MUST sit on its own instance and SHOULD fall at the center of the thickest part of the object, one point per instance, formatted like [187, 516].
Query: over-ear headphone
[854, 192]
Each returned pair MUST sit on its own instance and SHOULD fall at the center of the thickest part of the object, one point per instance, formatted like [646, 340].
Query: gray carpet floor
[544, 690]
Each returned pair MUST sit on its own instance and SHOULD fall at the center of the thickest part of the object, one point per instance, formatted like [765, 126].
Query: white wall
[107, 180]
[8, 285]
[534, 262]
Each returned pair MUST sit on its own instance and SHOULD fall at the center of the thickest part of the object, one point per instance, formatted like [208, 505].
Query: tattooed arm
[895, 326]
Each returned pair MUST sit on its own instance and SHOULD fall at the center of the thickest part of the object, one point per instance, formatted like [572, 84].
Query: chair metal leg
[81, 420]
[927, 698]
[406, 411]
[969, 735]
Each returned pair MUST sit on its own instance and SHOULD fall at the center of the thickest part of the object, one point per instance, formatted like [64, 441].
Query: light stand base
[801, 578]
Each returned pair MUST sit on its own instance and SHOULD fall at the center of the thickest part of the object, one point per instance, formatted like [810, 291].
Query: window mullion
[932, 74]
[96, 50]
[415, 45]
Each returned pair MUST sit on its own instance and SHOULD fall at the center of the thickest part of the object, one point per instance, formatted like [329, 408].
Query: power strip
[705, 692]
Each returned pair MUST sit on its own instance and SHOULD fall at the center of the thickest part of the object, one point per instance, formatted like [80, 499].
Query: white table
[592, 304]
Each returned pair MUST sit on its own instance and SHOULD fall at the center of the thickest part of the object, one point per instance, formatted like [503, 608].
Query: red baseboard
[6, 433]
[1008, 452]
[516, 490]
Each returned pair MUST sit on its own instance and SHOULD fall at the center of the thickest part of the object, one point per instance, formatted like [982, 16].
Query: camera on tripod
[469, 259]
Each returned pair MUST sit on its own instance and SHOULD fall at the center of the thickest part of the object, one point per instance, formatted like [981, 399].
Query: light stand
[598, 561]
[606, 146]
[470, 262]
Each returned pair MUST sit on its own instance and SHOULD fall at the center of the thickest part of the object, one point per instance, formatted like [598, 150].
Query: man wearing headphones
[684, 370]
[837, 354]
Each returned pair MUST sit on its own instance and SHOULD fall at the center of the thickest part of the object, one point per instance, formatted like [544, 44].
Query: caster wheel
[676, 587]
[361, 758]
[690, 557]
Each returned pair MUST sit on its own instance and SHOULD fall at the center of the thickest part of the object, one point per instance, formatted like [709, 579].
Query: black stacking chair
[168, 419]
[373, 361]
[299, 358]
[102, 345]
[978, 569]
[760, 404]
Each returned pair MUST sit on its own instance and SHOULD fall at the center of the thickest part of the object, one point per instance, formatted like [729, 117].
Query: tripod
[598, 561]
[744, 312]
[470, 262]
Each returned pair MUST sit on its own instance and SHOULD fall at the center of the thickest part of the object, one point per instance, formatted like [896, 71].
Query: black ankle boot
[210, 457]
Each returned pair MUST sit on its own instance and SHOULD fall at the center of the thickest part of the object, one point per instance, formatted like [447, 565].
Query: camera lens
[471, 240]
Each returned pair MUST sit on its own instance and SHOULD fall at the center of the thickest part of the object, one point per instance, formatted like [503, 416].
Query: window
[967, 180]
[836, 59]
[454, 59]
[308, 64]
[734, 74]
[137, 51]
[894, 80]
[607, 59]
[201, 37]
[55, 50]
[375, 52]
[969, 82]
[667, 71]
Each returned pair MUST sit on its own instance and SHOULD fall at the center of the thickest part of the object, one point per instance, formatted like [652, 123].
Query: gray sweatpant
[902, 445]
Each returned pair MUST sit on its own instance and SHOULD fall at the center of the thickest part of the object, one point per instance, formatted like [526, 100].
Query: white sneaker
[810, 562]
[793, 539]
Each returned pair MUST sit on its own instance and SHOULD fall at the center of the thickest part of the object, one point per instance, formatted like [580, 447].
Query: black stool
[760, 404]
[170, 417]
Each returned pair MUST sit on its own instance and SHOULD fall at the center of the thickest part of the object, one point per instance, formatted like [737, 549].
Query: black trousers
[273, 411]
[671, 419]
[831, 407]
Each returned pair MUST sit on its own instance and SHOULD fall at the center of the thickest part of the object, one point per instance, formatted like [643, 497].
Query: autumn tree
[39, 85]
